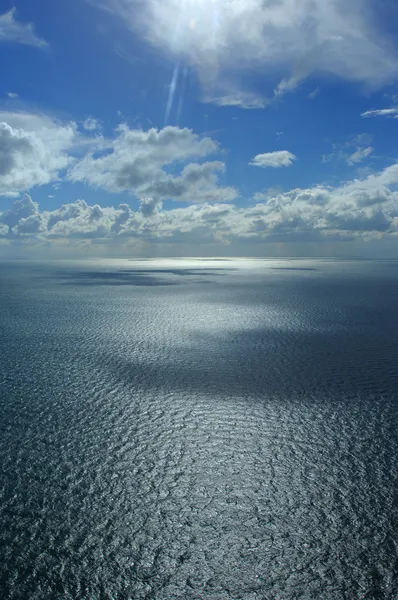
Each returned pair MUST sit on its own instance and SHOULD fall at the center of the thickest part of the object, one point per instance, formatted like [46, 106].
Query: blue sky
[214, 127]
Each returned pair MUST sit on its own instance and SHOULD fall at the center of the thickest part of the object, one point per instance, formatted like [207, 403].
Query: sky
[134, 128]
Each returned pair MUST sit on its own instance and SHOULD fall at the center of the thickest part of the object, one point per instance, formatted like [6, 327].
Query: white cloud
[12, 30]
[79, 220]
[20, 211]
[279, 158]
[362, 209]
[37, 150]
[285, 40]
[91, 124]
[12, 95]
[33, 150]
[383, 112]
[135, 161]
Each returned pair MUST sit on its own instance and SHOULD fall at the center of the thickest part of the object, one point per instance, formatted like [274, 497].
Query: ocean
[199, 430]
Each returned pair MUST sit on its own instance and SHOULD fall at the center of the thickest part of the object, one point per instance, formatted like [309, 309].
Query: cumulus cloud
[20, 210]
[383, 112]
[12, 30]
[286, 40]
[362, 209]
[135, 161]
[79, 220]
[149, 206]
[33, 150]
[279, 158]
[37, 150]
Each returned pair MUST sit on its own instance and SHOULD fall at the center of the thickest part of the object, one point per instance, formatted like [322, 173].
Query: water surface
[199, 429]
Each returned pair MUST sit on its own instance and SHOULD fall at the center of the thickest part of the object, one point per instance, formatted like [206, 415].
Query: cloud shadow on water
[136, 277]
[262, 364]
[293, 269]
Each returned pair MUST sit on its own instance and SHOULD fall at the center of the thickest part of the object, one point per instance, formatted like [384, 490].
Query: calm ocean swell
[200, 430]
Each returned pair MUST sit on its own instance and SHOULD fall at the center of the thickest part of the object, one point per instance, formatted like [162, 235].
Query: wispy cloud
[285, 86]
[314, 93]
[279, 158]
[91, 124]
[359, 155]
[352, 151]
[221, 96]
[12, 30]
[383, 112]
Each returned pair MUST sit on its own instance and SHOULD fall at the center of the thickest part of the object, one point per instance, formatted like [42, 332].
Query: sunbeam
[182, 92]
[172, 89]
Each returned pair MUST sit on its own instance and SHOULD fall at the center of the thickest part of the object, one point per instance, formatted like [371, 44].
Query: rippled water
[199, 430]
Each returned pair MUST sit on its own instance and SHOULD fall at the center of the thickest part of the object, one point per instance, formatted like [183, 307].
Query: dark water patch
[134, 277]
[293, 269]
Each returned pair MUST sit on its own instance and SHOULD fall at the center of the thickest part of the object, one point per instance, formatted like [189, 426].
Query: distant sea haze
[199, 430]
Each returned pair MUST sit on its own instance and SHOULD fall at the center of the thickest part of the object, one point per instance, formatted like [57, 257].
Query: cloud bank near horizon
[175, 164]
